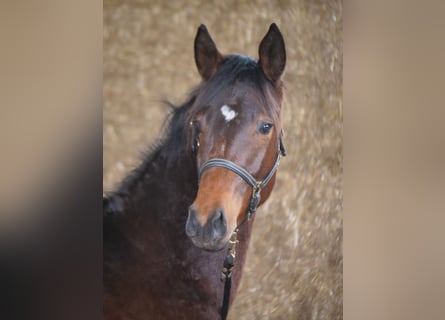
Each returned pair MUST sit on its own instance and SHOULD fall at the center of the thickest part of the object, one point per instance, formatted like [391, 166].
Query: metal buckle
[254, 200]
[229, 260]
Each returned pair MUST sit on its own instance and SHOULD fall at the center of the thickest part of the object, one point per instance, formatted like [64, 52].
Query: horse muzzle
[212, 235]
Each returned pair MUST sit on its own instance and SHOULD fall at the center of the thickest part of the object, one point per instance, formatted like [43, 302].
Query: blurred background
[394, 149]
[294, 265]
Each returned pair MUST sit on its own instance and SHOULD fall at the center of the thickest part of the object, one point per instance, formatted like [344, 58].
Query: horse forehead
[230, 113]
[238, 104]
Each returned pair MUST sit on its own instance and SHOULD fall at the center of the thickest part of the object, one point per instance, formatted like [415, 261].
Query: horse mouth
[209, 245]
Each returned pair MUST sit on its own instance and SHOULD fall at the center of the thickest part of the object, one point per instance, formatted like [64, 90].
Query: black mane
[168, 150]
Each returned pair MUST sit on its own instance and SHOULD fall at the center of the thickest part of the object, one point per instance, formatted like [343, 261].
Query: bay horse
[176, 230]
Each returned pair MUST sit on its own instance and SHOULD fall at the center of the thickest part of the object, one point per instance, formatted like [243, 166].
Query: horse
[177, 229]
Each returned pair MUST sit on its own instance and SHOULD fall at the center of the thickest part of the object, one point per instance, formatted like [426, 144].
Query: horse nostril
[219, 224]
[192, 223]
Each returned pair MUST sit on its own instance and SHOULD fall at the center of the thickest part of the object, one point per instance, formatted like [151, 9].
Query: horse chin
[209, 246]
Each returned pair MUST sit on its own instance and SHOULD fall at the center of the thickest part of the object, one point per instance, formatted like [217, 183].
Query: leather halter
[257, 186]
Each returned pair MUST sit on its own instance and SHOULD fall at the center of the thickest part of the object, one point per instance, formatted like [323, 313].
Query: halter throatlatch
[257, 186]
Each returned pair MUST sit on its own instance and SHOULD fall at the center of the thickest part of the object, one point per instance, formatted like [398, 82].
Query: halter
[257, 186]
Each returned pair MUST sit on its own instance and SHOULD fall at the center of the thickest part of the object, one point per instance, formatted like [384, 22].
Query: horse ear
[272, 54]
[207, 56]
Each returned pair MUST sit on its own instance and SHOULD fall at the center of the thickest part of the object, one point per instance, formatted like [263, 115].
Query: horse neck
[154, 231]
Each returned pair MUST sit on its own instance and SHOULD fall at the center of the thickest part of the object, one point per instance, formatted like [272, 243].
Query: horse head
[235, 134]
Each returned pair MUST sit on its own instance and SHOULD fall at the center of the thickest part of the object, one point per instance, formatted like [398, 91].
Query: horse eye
[264, 127]
[196, 130]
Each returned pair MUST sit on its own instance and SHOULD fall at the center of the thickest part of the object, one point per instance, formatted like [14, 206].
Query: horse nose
[213, 230]
[219, 224]
[192, 224]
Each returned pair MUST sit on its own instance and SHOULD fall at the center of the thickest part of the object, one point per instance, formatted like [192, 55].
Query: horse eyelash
[196, 127]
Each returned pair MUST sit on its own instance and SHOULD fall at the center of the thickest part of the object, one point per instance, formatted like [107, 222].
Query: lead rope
[226, 274]
[229, 261]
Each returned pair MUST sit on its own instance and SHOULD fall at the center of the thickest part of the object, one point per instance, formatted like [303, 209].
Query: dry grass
[294, 265]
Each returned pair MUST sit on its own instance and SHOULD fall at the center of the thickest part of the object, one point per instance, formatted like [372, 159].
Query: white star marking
[228, 113]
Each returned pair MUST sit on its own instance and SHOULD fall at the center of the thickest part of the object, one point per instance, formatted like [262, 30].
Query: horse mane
[167, 149]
